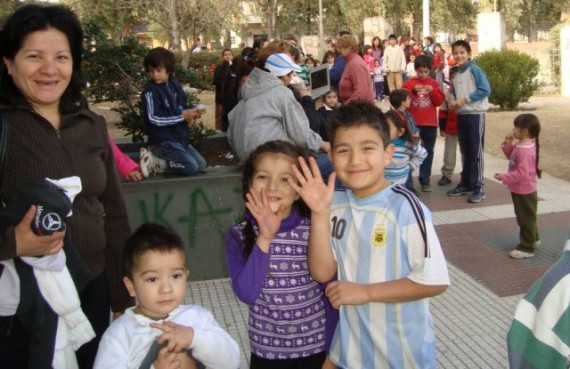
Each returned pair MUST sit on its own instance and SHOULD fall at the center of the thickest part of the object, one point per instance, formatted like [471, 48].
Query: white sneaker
[518, 254]
[146, 162]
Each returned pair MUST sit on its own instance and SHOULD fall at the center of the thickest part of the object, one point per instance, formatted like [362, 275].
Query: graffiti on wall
[197, 210]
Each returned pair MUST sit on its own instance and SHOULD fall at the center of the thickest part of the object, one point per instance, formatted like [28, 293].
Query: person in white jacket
[160, 332]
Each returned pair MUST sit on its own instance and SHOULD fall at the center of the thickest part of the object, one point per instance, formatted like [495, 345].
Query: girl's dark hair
[159, 56]
[270, 147]
[396, 118]
[531, 123]
[149, 237]
[327, 54]
[329, 92]
[379, 42]
[32, 18]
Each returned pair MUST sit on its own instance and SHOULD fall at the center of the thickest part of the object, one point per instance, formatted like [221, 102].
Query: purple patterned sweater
[286, 306]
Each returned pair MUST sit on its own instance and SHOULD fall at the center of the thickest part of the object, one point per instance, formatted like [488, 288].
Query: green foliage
[115, 73]
[512, 76]
[199, 132]
[201, 66]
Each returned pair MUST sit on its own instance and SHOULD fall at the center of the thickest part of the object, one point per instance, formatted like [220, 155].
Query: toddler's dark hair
[531, 123]
[157, 57]
[397, 97]
[360, 113]
[270, 147]
[149, 237]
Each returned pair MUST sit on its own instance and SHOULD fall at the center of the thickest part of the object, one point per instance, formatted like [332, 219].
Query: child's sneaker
[518, 254]
[160, 165]
[146, 162]
[444, 181]
[476, 196]
[458, 191]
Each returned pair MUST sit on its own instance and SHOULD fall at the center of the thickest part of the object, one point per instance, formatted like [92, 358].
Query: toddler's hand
[509, 139]
[442, 133]
[498, 176]
[178, 336]
[167, 360]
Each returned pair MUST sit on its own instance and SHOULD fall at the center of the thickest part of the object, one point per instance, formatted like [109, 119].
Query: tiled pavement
[474, 314]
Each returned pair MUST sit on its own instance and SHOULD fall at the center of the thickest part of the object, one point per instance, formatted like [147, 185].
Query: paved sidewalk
[474, 314]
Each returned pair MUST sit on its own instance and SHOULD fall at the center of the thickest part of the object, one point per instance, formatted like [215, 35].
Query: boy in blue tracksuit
[166, 112]
[472, 90]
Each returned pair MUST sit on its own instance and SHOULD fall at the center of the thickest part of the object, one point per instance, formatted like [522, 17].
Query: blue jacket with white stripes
[162, 106]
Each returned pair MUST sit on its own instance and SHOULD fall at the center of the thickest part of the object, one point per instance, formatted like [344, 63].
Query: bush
[512, 76]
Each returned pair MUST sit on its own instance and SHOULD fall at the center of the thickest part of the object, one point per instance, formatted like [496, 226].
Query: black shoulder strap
[4, 141]
[418, 213]
[4, 135]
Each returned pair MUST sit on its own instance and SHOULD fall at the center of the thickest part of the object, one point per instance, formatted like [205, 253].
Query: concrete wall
[200, 209]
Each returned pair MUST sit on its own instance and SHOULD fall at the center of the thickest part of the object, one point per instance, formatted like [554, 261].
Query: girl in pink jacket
[128, 169]
[521, 180]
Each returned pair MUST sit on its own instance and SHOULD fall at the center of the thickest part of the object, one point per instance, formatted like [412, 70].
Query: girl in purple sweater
[521, 180]
[267, 260]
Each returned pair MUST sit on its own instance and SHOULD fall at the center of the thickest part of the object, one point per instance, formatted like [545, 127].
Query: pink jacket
[125, 165]
[521, 178]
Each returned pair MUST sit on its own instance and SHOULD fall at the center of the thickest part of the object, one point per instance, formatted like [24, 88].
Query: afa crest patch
[379, 236]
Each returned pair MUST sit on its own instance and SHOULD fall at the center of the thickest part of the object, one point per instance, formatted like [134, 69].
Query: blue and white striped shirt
[378, 239]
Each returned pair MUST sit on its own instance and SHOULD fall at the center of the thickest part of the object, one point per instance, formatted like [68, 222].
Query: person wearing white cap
[269, 111]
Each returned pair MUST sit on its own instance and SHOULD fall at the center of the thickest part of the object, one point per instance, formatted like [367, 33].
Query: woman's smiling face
[43, 67]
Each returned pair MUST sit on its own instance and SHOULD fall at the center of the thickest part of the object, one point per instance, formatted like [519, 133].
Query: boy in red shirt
[426, 96]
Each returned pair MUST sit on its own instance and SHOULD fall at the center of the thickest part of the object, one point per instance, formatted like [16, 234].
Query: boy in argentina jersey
[381, 241]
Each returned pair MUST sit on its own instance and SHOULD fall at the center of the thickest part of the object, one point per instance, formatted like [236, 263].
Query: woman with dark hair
[54, 135]
[377, 49]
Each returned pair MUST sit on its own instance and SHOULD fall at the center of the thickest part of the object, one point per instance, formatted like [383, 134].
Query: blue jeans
[180, 159]
[428, 136]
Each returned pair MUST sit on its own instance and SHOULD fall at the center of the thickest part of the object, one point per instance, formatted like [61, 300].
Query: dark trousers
[428, 136]
[525, 211]
[309, 362]
[471, 134]
[95, 302]
[379, 90]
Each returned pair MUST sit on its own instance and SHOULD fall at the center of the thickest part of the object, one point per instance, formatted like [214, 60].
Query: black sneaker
[444, 181]
[458, 191]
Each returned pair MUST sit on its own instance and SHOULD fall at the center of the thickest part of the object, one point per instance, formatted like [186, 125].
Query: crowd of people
[336, 257]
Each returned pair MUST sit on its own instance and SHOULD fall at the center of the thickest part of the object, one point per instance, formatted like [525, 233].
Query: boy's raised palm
[313, 190]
